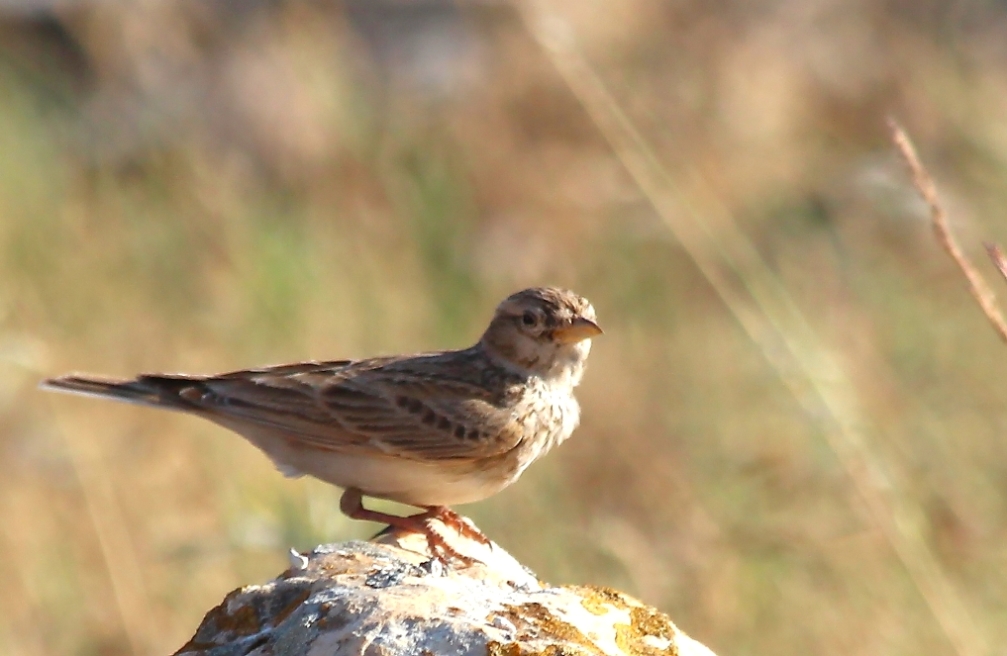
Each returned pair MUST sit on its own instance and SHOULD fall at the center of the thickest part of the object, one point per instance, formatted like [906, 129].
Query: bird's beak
[578, 330]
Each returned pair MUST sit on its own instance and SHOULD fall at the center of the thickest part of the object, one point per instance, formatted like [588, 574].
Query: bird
[430, 430]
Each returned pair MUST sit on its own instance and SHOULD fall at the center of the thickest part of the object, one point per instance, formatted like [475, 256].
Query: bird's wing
[411, 408]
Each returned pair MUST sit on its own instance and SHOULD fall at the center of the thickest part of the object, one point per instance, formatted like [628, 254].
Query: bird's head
[543, 331]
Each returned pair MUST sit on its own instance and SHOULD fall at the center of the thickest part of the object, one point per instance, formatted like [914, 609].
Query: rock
[389, 597]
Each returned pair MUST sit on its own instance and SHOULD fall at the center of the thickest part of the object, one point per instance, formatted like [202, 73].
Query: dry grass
[792, 437]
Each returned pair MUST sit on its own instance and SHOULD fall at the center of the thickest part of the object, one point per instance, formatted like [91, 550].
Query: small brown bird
[428, 430]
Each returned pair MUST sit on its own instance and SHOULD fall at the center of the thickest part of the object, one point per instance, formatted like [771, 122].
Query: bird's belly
[442, 483]
[418, 483]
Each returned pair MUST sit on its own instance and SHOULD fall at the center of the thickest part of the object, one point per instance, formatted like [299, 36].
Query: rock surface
[388, 597]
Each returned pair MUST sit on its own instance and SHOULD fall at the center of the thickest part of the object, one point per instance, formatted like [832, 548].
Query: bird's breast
[548, 414]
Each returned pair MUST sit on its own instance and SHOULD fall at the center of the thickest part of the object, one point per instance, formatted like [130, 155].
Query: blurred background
[793, 429]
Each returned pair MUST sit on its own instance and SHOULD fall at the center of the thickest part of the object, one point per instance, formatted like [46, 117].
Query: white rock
[388, 597]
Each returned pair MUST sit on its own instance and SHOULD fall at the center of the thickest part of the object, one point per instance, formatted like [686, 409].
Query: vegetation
[792, 428]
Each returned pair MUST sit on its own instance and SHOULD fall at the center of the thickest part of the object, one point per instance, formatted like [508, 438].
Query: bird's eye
[529, 318]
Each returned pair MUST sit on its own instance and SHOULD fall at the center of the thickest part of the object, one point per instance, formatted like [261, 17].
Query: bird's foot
[351, 504]
[462, 526]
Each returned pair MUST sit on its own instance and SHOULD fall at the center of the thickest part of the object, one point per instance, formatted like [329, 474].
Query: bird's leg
[351, 504]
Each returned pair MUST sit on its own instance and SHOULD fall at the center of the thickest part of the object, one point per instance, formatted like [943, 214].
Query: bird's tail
[150, 390]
